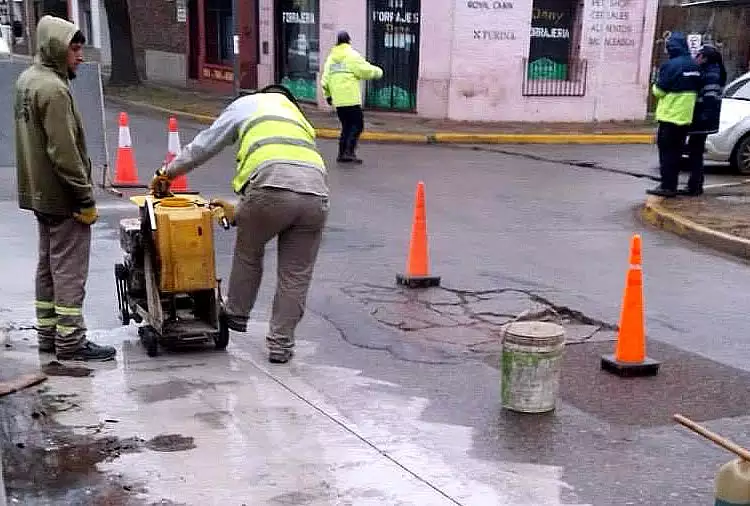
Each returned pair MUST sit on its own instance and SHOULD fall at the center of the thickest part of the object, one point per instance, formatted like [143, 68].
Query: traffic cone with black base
[417, 266]
[174, 147]
[630, 357]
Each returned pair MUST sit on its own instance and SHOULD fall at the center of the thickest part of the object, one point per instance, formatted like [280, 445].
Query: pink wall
[471, 58]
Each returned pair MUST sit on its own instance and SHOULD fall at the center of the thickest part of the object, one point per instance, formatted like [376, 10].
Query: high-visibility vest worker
[343, 72]
[282, 182]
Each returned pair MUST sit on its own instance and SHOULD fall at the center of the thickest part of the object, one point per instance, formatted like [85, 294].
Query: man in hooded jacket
[676, 88]
[706, 115]
[344, 69]
[54, 181]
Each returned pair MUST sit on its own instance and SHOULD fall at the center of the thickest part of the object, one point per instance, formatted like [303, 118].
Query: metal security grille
[547, 78]
[393, 45]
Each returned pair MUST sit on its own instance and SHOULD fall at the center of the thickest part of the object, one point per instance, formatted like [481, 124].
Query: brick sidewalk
[207, 104]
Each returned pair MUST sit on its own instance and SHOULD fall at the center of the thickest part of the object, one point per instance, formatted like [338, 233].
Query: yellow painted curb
[438, 137]
[657, 216]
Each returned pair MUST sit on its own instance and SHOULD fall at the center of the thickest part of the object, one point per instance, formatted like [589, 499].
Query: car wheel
[741, 159]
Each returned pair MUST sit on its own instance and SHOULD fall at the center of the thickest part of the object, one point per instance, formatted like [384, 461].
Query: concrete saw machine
[167, 279]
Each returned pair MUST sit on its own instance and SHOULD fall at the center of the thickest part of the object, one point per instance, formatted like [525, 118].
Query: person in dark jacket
[706, 115]
[676, 88]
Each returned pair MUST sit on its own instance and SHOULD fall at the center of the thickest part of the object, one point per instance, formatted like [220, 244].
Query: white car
[731, 143]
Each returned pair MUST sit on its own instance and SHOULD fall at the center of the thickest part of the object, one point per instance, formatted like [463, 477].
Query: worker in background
[282, 182]
[676, 89]
[706, 114]
[344, 69]
[54, 181]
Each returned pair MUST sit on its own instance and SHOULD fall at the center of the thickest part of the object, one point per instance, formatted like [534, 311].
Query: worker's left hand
[160, 184]
[329, 100]
[228, 210]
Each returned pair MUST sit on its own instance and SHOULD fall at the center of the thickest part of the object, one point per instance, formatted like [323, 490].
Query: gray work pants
[297, 220]
[62, 272]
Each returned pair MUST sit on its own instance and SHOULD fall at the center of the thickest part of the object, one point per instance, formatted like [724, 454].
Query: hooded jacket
[52, 164]
[708, 106]
[677, 84]
[343, 70]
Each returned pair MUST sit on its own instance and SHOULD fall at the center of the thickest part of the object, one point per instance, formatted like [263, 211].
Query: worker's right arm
[223, 132]
[62, 148]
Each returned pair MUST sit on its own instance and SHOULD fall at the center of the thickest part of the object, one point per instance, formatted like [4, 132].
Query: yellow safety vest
[276, 132]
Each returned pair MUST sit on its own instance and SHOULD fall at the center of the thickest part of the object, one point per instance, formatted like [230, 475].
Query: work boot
[279, 348]
[344, 159]
[661, 192]
[234, 322]
[89, 352]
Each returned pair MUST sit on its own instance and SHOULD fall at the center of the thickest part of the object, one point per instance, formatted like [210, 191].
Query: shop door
[298, 47]
[393, 45]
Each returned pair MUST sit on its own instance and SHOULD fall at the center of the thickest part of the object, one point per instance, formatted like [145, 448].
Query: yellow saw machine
[167, 279]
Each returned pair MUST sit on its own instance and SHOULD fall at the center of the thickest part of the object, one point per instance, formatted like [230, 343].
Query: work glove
[228, 208]
[329, 100]
[160, 184]
[87, 215]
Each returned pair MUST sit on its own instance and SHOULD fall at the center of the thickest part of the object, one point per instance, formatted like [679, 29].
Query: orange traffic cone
[630, 357]
[417, 266]
[174, 147]
[126, 173]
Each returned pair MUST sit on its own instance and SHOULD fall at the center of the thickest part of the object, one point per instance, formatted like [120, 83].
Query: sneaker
[281, 356]
[344, 159]
[89, 352]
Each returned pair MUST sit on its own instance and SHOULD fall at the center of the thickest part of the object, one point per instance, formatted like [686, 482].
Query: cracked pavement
[393, 396]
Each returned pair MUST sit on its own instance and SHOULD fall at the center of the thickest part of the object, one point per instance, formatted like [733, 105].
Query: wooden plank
[21, 382]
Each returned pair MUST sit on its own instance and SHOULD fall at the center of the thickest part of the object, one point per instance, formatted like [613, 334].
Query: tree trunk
[124, 71]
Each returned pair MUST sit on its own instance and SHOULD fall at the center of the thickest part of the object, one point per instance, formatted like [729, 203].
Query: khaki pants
[62, 272]
[297, 220]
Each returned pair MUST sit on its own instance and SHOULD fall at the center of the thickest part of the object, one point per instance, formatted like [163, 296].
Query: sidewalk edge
[432, 138]
[654, 214]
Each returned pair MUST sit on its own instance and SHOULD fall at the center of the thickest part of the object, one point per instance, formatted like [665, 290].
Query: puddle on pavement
[170, 443]
[45, 462]
[57, 369]
[174, 389]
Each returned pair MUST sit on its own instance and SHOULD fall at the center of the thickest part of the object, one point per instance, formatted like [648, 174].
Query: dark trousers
[671, 142]
[352, 124]
[696, 147]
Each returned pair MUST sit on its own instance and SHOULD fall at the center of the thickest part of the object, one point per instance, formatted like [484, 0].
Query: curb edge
[655, 215]
[429, 138]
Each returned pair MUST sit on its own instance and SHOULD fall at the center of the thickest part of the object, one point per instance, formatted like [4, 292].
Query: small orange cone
[174, 147]
[126, 173]
[417, 266]
[630, 357]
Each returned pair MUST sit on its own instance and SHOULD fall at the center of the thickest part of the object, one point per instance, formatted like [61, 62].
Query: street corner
[718, 219]
[470, 322]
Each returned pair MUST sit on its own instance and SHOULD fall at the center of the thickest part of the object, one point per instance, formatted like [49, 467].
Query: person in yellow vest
[282, 183]
[344, 69]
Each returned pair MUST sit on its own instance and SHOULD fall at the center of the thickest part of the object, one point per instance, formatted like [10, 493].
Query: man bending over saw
[282, 182]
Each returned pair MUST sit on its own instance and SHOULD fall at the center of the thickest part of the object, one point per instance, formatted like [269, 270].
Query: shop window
[218, 32]
[298, 55]
[553, 67]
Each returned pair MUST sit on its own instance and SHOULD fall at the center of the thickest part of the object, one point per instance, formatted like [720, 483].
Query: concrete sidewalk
[396, 127]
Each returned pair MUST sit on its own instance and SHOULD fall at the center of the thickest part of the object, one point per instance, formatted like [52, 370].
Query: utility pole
[235, 48]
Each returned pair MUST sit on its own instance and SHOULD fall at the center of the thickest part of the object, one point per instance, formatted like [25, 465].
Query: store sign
[218, 74]
[393, 45]
[300, 58]
[549, 48]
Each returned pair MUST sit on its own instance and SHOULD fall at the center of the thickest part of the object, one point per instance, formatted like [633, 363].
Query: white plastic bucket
[531, 365]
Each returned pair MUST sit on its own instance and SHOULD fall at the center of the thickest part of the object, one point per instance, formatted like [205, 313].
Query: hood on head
[53, 36]
[677, 45]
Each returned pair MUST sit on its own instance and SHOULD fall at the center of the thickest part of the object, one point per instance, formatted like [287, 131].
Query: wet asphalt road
[526, 217]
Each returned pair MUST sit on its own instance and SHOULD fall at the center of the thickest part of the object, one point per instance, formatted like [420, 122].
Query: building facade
[477, 60]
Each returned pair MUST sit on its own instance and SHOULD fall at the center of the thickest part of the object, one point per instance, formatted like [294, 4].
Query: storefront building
[478, 60]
